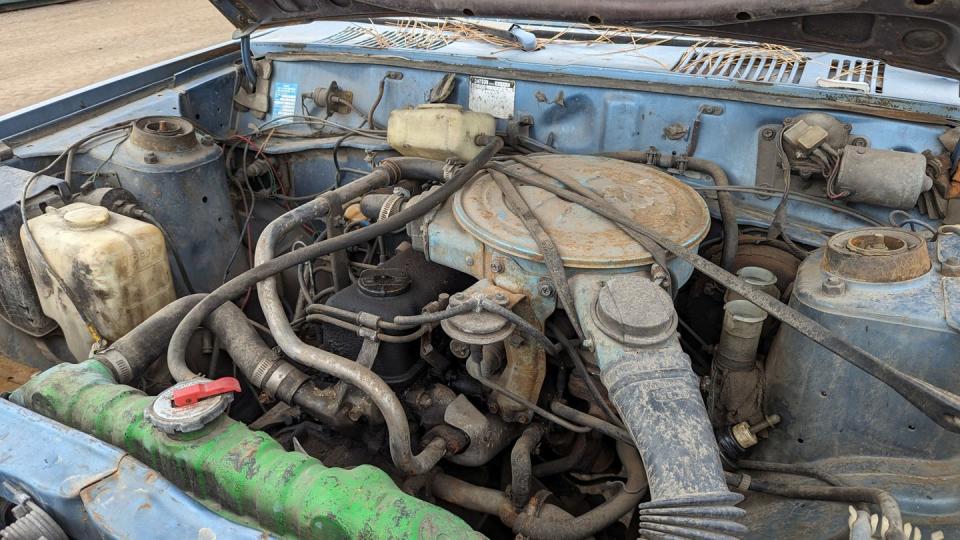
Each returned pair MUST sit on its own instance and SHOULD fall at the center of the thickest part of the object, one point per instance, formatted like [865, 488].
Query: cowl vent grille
[858, 70]
[359, 36]
[756, 64]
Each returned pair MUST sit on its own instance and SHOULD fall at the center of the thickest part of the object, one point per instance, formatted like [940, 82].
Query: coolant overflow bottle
[114, 265]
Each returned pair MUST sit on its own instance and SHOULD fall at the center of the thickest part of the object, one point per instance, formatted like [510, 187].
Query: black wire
[247, 209]
[181, 269]
[336, 160]
[587, 378]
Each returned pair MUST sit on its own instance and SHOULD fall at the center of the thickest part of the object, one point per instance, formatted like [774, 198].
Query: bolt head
[496, 266]
[523, 418]
[468, 260]
[546, 290]
[150, 158]
[767, 133]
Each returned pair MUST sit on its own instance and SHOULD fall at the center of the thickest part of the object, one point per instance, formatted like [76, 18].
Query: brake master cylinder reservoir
[438, 131]
[114, 265]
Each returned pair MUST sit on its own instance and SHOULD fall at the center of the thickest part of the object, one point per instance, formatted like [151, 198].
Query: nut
[500, 298]
[150, 158]
[833, 286]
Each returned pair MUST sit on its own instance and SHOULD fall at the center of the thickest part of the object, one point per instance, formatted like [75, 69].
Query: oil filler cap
[190, 405]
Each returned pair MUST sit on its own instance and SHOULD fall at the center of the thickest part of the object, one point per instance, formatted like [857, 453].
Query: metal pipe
[728, 210]
[565, 463]
[848, 494]
[580, 417]
[551, 523]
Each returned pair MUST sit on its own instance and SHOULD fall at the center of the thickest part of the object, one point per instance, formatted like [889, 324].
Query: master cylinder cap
[877, 255]
[635, 314]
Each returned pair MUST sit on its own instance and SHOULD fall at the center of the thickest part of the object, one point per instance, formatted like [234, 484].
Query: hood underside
[916, 34]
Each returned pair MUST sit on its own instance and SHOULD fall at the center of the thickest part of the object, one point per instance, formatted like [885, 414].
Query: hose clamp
[117, 363]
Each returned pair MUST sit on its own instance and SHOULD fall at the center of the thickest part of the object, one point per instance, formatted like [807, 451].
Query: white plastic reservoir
[115, 265]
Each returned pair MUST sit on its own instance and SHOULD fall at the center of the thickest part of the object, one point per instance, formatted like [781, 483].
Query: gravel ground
[50, 50]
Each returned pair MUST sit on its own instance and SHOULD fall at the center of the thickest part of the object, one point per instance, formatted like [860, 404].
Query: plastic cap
[90, 217]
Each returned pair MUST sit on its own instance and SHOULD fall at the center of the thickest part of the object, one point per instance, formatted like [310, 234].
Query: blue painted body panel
[95, 490]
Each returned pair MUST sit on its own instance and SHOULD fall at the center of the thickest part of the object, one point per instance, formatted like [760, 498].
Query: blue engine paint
[95, 490]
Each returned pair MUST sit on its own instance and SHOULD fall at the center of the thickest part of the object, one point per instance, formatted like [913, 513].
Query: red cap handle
[188, 395]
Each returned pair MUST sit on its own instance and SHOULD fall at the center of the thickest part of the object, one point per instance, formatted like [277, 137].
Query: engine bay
[399, 298]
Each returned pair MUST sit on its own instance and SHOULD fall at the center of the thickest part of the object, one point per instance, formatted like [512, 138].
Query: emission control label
[284, 100]
[492, 96]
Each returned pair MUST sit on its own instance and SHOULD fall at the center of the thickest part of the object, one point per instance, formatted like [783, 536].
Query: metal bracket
[339, 263]
[257, 99]
[368, 353]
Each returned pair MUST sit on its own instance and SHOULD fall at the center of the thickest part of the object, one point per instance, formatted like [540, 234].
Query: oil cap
[190, 405]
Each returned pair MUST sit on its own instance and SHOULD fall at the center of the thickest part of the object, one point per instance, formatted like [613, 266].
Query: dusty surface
[13, 374]
[51, 50]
